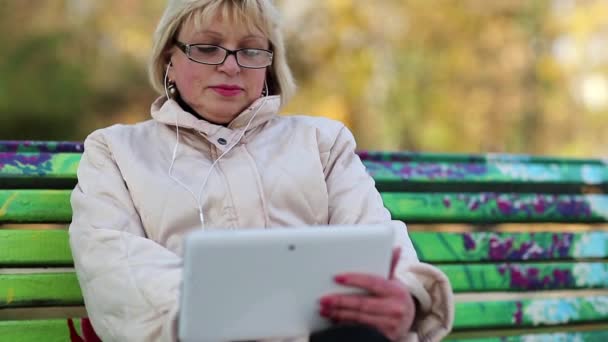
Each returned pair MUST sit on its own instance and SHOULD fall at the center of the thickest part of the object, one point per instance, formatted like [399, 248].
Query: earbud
[172, 89]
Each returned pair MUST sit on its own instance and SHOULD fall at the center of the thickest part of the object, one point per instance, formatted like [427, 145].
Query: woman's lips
[226, 90]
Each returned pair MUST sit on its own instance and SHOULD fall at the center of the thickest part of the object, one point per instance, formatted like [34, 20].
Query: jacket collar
[169, 112]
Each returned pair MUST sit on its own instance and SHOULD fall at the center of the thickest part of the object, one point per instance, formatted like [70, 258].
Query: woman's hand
[388, 307]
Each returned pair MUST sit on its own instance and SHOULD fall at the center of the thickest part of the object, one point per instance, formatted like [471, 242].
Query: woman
[216, 154]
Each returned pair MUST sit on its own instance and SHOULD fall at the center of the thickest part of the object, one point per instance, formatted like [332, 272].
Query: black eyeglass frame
[185, 48]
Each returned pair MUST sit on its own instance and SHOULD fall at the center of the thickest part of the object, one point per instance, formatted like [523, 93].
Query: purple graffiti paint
[27, 164]
[446, 202]
[469, 243]
[518, 316]
[529, 278]
[504, 206]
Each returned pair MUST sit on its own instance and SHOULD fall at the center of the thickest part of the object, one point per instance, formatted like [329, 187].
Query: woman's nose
[230, 65]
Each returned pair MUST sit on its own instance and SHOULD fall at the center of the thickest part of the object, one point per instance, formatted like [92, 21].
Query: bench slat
[490, 158]
[484, 176]
[57, 330]
[437, 247]
[44, 206]
[53, 330]
[529, 313]
[41, 146]
[495, 208]
[41, 289]
[78, 147]
[35, 248]
[50, 247]
[445, 176]
[560, 336]
[526, 277]
[54, 206]
[38, 170]
[34, 289]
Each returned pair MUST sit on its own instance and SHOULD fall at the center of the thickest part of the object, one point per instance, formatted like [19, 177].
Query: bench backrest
[544, 271]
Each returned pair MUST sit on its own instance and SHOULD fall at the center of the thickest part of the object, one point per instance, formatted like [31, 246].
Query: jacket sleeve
[353, 198]
[130, 283]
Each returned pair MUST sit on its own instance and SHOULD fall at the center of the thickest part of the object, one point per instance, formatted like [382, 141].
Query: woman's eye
[251, 52]
[206, 49]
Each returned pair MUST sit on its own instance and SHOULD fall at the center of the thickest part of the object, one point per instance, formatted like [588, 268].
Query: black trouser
[350, 333]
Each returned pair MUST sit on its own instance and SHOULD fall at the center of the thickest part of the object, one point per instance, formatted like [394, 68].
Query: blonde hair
[261, 14]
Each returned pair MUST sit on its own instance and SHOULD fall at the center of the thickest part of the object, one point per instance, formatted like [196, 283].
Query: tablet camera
[292, 247]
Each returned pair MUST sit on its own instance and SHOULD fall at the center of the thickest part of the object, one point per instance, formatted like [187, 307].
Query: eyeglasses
[215, 55]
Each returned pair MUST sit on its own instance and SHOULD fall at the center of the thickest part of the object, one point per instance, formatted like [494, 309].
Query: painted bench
[522, 239]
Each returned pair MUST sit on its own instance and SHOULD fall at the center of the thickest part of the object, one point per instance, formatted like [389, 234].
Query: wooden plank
[495, 208]
[78, 147]
[47, 289]
[464, 297]
[41, 146]
[530, 313]
[24, 248]
[526, 277]
[55, 330]
[49, 165]
[558, 336]
[54, 206]
[38, 170]
[404, 156]
[45, 206]
[435, 247]
[423, 173]
[448, 176]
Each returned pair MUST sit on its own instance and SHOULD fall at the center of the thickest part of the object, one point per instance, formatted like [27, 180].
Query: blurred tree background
[516, 76]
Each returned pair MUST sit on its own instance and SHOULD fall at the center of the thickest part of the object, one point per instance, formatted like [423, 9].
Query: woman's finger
[376, 285]
[367, 304]
[394, 261]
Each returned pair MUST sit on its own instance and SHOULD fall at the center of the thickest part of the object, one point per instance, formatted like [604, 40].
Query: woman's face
[218, 92]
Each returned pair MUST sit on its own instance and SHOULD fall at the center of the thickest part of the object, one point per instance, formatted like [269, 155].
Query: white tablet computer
[263, 283]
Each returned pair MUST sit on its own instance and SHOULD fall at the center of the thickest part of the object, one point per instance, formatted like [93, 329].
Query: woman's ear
[170, 70]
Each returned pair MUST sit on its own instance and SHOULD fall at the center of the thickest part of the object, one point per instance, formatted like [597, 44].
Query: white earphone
[169, 65]
[197, 199]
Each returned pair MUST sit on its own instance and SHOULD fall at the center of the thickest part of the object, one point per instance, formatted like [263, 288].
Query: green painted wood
[526, 276]
[405, 156]
[38, 170]
[495, 208]
[598, 336]
[40, 289]
[51, 247]
[41, 146]
[529, 313]
[28, 248]
[438, 175]
[48, 165]
[55, 330]
[479, 176]
[72, 146]
[35, 206]
[54, 206]
[435, 247]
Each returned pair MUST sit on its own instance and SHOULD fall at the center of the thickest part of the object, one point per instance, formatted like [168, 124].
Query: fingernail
[340, 279]
[324, 312]
[325, 301]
